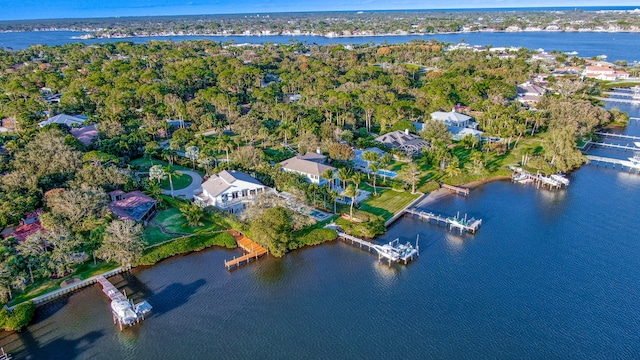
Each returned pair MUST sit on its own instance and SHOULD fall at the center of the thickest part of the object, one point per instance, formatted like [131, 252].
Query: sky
[54, 9]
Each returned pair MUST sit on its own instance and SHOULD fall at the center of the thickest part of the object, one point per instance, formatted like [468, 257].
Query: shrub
[20, 316]
[313, 237]
[374, 225]
[186, 244]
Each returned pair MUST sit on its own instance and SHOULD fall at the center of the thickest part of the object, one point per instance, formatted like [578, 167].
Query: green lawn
[179, 182]
[174, 222]
[387, 203]
[40, 287]
[143, 164]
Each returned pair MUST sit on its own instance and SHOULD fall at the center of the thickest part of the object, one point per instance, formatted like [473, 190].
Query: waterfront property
[359, 163]
[123, 310]
[454, 222]
[311, 166]
[454, 118]
[133, 205]
[229, 190]
[253, 251]
[529, 93]
[404, 141]
[393, 251]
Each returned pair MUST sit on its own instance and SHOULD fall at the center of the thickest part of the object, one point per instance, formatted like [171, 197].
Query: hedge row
[187, 244]
[314, 237]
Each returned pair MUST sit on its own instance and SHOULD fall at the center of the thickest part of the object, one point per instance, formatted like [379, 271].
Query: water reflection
[272, 270]
[455, 241]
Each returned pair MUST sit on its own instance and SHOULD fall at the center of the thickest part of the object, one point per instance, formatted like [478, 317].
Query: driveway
[187, 193]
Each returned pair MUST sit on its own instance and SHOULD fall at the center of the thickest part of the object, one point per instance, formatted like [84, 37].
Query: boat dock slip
[620, 100]
[456, 189]
[463, 224]
[254, 251]
[393, 251]
[123, 310]
[553, 181]
[597, 160]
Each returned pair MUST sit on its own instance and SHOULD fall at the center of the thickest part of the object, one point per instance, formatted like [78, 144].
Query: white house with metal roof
[64, 119]
[229, 190]
[453, 118]
[310, 166]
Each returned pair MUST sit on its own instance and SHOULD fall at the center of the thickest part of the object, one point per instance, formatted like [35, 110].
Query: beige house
[229, 190]
[310, 165]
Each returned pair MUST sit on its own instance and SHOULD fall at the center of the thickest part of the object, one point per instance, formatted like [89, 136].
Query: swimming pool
[387, 173]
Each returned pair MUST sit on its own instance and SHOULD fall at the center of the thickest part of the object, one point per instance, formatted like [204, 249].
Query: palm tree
[371, 157]
[192, 153]
[385, 161]
[357, 180]
[351, 192]
[374, 169]
[170, 172]
[453, 169]
[328, 174]
[225, 143]
[344, 174]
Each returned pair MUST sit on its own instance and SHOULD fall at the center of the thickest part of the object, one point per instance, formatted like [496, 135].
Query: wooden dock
[605, 161]
[253, 249]
[553, 181]
[393, 252]
[462, 224]
[456, 189]
[134, 313]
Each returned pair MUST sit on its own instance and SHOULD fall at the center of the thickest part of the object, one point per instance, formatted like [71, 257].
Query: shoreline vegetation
[248, 110]
[343, 24]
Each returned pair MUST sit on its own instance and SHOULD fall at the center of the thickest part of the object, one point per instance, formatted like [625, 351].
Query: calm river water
[551, 274]
[617, 46]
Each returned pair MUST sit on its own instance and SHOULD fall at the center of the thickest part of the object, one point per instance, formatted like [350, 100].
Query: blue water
[550, 274]
[617, 46]
[388, 173]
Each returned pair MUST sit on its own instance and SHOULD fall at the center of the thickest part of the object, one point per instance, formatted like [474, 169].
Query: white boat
[561, 179]
[635, 160]
[637, 144]
[124, 310]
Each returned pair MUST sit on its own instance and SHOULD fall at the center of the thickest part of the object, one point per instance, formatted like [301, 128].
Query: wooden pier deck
[456, 189]
[394, 252]
[109, 289]
[471, 226]
[253, 249]
[624, 164]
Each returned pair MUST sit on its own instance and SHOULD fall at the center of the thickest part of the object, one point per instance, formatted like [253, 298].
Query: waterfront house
[310, 165]
[404, 141]
[457, 133]
[454, 118]
[64, 119]
[604, 73]
[229, 190]
[29, 225]
[133, 205]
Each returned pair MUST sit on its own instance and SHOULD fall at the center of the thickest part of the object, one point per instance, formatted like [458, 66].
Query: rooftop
[219, 183]
[305, 166]
[64, 119]
[133, 206]
[86, 134]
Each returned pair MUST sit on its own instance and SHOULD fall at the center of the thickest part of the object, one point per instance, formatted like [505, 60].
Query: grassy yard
[40, 287]
[179, 182]
[387, 203]
[143, 164]
[174, 222]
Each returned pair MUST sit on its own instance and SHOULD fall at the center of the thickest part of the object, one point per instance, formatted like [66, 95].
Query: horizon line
[487, 9]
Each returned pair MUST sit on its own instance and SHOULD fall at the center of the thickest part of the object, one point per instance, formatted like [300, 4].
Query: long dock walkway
[123, 310]
[456, 189]
[393, 252]
[620, 100]
[619, 136]
[109, 289]
[597, 160]
[253, 249]
[471, 225]
[626, 147]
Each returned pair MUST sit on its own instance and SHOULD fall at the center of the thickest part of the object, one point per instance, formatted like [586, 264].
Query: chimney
[406, 131]
[318, 150]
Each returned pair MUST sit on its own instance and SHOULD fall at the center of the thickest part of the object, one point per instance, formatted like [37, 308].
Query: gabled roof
[217, 184]
[305, 166]
[529, 88]
[450, 116]
[64, 119]
[133, 206]
[403, 140]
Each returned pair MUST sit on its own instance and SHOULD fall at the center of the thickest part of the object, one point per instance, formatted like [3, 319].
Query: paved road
[187, 193]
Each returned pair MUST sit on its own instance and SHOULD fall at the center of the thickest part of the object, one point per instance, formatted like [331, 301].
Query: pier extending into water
[453, 222]
[393, 252]
[553, 181]
[619, 136]
[253, 249]
[455, 189]
[605, 161]
[626, 147]
[123, 310]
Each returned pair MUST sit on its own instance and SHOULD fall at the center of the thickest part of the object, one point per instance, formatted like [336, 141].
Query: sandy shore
[440, 193]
